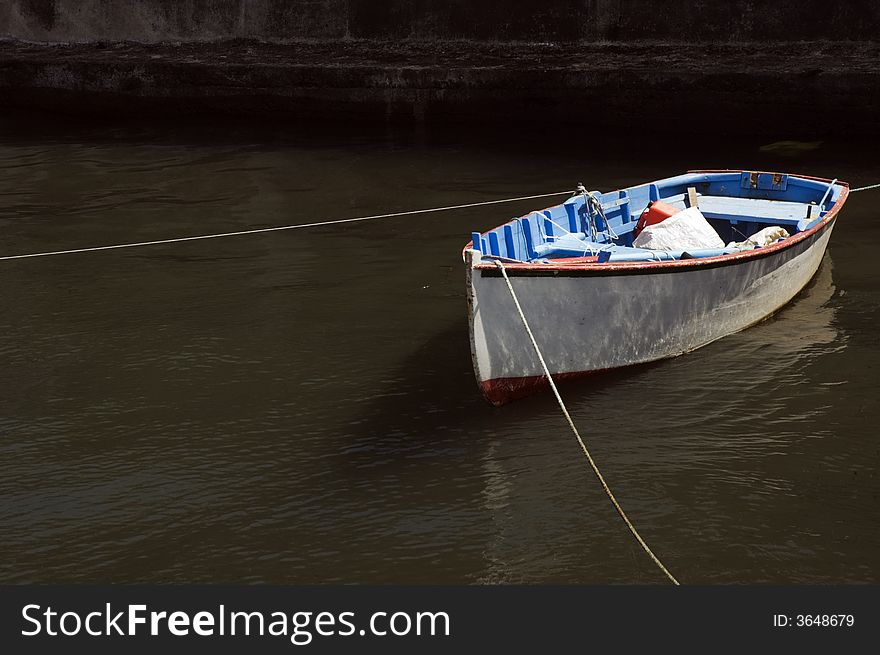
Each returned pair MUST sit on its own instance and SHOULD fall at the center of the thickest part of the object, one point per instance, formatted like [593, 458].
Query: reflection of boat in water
[599, 300]
[772, 358]
[802, 327]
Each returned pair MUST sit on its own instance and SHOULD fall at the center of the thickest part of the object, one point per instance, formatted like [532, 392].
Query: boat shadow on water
[434, 402]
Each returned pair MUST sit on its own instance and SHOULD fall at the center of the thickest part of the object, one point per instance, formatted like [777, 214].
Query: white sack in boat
[686, 230]
[762, 238]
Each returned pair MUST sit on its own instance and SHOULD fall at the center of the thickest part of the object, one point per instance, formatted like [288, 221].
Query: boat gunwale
[609, 268]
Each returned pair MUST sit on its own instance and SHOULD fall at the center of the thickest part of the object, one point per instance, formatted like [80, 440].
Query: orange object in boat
[656, 212]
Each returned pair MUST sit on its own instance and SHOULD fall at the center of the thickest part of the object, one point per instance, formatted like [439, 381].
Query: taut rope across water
[280, 228]
[261, 230]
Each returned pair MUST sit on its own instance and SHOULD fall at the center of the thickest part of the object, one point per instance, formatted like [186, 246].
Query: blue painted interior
[727, 201]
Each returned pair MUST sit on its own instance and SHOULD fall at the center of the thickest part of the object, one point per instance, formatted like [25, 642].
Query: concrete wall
[514, 20]
[172, 20]
[714, 66]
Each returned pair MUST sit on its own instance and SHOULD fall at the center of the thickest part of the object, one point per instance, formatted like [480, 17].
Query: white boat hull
[591, 319]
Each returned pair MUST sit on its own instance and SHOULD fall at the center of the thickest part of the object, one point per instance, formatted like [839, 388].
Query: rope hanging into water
[279, 228]
[574, 429]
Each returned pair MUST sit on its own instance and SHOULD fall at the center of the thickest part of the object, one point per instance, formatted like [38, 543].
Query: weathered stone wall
[513, 20]
[172, 20]
[781, 66]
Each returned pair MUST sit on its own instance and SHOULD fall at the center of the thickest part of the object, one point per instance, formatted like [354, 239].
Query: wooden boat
[596, 303]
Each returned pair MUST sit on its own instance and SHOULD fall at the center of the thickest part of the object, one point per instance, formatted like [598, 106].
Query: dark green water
[299, 407]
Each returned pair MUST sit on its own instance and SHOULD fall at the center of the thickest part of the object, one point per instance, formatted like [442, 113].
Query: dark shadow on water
[434, 401]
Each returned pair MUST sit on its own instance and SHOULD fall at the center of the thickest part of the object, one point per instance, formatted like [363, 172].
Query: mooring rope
[574, 429]
[865, 188]
[261, 230]
[299, 226]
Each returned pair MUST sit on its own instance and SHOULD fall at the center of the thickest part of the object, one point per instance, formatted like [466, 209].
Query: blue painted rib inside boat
[736, 203]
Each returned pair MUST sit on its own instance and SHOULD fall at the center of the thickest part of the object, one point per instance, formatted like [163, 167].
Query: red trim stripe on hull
[501, 391]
